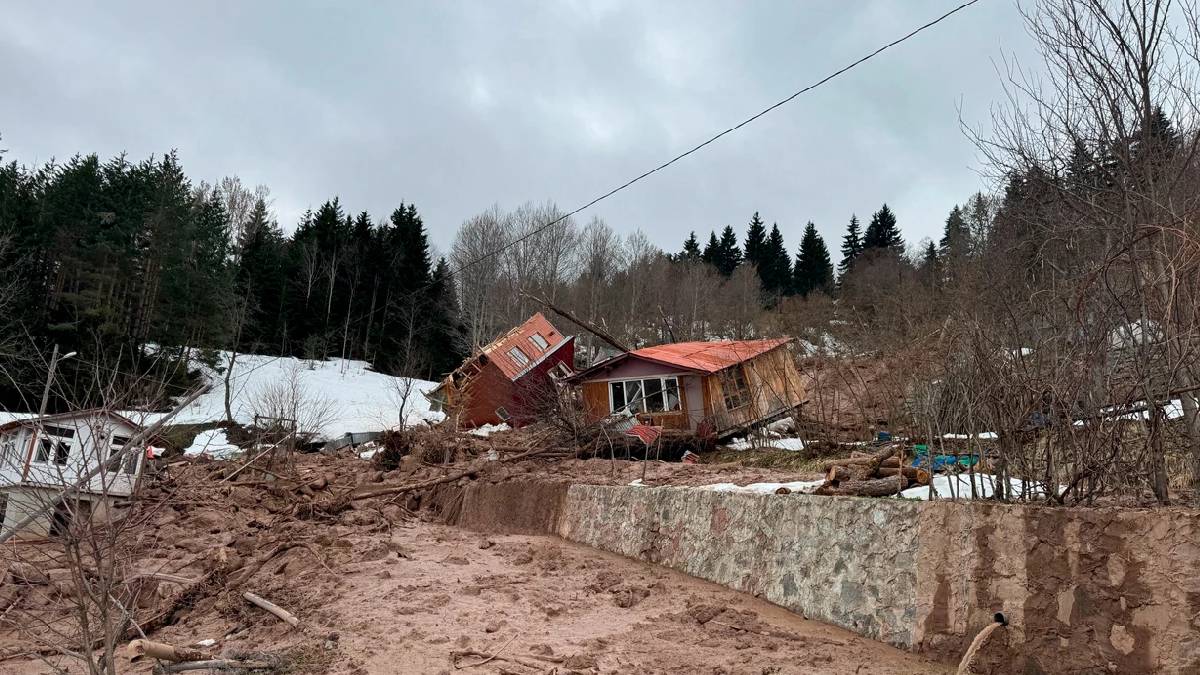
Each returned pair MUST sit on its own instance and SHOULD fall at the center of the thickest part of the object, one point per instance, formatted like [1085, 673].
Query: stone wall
[801, 553]
[1084, 590]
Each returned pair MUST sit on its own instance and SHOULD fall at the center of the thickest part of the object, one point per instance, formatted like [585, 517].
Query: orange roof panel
[708, 357]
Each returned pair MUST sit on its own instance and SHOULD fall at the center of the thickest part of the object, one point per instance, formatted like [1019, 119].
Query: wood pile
[876, 474]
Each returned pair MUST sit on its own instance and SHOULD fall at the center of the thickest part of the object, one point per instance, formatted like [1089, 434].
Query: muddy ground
[383, 587]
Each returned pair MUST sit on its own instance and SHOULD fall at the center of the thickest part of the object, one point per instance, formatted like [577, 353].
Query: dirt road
[546, 605]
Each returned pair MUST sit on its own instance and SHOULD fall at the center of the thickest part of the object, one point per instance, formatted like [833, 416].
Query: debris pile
[871, 475]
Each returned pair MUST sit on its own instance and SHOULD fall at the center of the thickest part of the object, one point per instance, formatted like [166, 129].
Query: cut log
[880, 487]
[139, 649]
[271, 607]
[912, 473]
[840, 474]
[854, 461]
[890, 463]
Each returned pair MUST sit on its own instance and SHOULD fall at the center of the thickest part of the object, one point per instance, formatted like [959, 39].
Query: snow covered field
[358, 398]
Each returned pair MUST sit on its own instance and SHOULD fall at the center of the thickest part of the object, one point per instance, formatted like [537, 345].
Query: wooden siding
[774, 385]
[595, 399]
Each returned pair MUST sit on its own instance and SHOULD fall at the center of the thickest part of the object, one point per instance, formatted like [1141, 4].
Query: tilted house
[39, 456]
[502, 383]
[718, 387]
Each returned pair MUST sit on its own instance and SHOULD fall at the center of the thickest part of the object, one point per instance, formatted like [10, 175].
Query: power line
[711, 140]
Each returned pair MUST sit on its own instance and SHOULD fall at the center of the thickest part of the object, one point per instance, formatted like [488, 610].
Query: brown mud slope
[378, 588]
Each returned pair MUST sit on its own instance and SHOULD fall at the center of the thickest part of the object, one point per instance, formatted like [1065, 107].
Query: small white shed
[39, 456]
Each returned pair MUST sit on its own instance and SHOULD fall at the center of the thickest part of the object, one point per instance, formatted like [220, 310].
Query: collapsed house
[712, 388]
[40, 456]
[504, 381]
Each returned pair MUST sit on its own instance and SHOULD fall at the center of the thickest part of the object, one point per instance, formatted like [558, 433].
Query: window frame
[113, 449]
[8, 447]
[56, 442]
[738, 395]
[539, 341]
[512, 354]
[665, 383]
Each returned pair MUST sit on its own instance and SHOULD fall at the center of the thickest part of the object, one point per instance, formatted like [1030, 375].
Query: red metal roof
[522, 337]
[708, 357]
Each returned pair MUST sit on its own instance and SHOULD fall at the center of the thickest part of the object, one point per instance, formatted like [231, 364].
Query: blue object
[883, 436]
[940, 462]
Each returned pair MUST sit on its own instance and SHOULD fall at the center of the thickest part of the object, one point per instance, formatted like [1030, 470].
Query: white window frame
[539, 341]
[8, 448]
[131, 463]
[643, 408]
[512, 354]
[55, 441]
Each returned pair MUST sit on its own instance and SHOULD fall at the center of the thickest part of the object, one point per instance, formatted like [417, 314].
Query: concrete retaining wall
[1085, 590]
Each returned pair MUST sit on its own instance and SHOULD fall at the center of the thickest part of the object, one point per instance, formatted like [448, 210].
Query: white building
[40, 456]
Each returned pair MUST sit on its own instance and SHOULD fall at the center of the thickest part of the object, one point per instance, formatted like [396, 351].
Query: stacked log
[870, 475]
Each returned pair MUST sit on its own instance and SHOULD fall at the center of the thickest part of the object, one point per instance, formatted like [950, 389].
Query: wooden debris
[868, 460]
[878, 487]
[271, 607]
[139, 649]
[912, 473]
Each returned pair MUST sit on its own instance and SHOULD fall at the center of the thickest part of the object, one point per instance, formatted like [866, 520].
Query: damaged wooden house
[503, 382]
[712, 388]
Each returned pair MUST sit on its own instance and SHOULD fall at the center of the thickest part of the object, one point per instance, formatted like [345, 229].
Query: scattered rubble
[329, 563]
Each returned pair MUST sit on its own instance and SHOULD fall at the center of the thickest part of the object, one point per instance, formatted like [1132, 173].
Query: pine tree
[814, 269]
[729, 255]
[691, 249]
[954, 248]
[930, 267]
[712, 250]
[756, 241]
[259, 281]
[882, 232]
[852, 246]
[775, 271]
[956, 237]
[445, 333]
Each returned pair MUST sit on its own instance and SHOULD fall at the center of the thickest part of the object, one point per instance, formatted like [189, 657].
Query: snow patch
[802, 487]
[360, 399]
[489, 429]
[212, 443]
[790, 444]
[959, 485]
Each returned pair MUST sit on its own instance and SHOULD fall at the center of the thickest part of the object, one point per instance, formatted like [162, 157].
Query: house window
[114, 459]
[734, 387]
[559, 371]
[502, 413]
[539, 342]
[55, 442]
[651, 394]
[3, 508]
[8, 452]
[518, 357]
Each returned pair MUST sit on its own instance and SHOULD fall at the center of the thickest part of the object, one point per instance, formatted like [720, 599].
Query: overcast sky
[460, 105]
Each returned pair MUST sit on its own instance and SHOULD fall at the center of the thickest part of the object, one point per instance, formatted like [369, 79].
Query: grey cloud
[456, 106]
